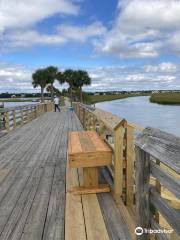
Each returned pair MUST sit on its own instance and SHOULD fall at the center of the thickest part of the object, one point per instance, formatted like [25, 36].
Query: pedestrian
[56, 104]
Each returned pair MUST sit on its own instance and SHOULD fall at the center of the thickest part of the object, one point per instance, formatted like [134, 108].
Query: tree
[40, 79]
[68, 76]
[60, 77]
[81, 78]
[52, 73]
[55, 90]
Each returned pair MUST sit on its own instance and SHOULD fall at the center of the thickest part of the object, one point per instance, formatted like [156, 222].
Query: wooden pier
[35, 181]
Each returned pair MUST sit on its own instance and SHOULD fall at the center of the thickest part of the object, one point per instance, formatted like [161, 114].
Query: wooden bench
[88, 151]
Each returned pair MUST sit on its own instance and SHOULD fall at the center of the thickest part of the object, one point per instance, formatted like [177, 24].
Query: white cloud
[143, 29]
[17, 78]
[23, 13]
[82, 33]
[165, 67]
[14, 78]
[64, 33]
[166, 75]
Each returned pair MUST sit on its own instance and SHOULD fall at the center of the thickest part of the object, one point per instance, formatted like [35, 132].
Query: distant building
[13, 96]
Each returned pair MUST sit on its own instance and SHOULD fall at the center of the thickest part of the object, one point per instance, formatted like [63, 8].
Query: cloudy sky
[123, 44]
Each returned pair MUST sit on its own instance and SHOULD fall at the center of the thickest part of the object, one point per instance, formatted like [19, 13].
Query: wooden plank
[129, 167]
[156, 226]
[95, 226]
[90, 190]
[29, 235]
[163, 146]
[86, 143]
[118, 162]
[90, 159]
[74, 143]
[142, 190]
[97, 141]
[90, 177]
[166, 179]
[74, 218]
[171, 215]
[128, 225]
[20, 209]
[116, 226]
[94, 222]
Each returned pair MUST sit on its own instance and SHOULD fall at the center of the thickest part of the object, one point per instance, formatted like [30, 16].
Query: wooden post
[118, 162]
[7, 122]
[28, 115]
[22, 117]
[90, 176]
[129, 166]
[35, 112]
[158, 188]
[83, 118]
[14, 119]
[142, 191]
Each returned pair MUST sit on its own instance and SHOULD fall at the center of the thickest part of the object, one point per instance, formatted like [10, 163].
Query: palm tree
[81, 78]
[69, 77]
[52, 76]
[40, 79]
[60, 77]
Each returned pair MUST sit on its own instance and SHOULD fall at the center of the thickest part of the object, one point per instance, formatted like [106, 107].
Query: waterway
[141, 111]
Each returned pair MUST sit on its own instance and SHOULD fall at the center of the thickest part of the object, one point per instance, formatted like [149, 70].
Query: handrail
[12, 117]
[8, 109]
[157, 155]
[124, 167]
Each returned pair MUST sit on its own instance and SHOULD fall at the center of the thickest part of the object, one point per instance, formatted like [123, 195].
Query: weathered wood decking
[32, 183]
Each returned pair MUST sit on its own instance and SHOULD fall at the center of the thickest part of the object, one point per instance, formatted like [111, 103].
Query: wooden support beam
[7, 122]
[14, 119]
[142, 191]
[118, 161]
[129, 166]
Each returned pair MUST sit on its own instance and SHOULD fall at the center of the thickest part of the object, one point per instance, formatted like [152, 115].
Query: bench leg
[90, 175]
[90, 184]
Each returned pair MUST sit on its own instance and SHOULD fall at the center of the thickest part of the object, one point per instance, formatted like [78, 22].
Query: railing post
[118, 161]
[22, 117]
[158, 188]
[7, 122]
[142, 192]
[28, 115]
[83, 118]
[129, 166]
[14, 119]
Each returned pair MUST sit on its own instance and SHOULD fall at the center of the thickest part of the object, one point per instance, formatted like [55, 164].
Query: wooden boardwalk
[33, 182]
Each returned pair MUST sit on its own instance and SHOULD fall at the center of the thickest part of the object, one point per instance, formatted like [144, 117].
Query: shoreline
[158, 98]
[107, 98]
[165, 98]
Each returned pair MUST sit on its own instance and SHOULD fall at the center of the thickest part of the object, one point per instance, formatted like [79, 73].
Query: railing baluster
[14, 119]
[7, 122]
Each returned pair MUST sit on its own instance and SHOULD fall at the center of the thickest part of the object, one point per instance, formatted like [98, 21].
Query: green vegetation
[15, 100]
[165, 98]
[45, 78]
[76, 80]
[102, 98]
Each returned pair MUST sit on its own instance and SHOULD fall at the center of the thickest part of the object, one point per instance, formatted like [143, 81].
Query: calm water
[140, 111]
[16, 104]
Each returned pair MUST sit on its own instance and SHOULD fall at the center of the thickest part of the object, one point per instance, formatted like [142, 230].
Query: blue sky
[123, 44]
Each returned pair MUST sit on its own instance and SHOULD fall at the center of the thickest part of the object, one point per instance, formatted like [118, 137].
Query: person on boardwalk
[56, 104]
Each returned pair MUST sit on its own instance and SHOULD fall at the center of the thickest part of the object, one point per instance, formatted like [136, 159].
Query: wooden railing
[157, 156]
[10, 118]
[119, 134]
